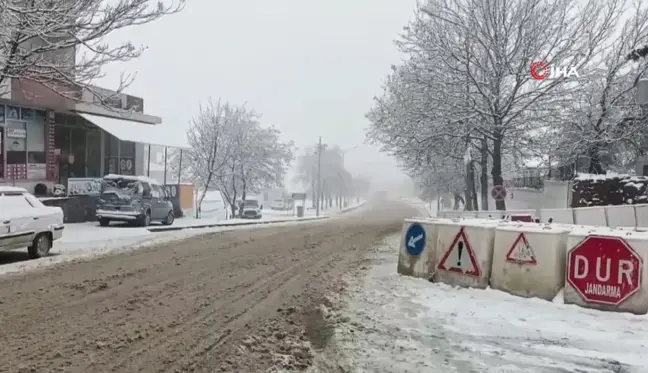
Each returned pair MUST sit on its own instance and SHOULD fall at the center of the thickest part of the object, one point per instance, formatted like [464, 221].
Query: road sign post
[604, 270]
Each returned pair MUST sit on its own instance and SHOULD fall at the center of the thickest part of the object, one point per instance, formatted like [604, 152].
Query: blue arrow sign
[415, 239]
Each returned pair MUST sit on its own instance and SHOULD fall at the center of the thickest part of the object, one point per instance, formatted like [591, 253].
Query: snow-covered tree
[62, 44]
[336, 182]
[601, 122]
[466, 83]
[260, 159]
[211, 147]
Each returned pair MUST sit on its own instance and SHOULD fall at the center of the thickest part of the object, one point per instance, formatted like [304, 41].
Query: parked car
[251, 209]
[26, 222]
[133, 199]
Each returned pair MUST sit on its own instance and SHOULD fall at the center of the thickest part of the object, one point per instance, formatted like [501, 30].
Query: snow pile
[400, 324]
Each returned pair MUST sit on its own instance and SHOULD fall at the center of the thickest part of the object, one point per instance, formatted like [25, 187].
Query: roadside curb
[225, 224]
[353, 207]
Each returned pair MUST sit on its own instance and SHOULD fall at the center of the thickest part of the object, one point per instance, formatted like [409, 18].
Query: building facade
[46, 138]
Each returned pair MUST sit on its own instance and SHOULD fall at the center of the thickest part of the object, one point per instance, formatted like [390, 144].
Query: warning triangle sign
[460, 257]
[521, 252]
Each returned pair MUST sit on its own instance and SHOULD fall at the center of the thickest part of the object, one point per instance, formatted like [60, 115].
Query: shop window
[16, 142]
[24, 146]
[36, 142]
[2, 152]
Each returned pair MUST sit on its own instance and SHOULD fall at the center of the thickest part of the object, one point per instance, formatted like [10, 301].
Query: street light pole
[319, 176]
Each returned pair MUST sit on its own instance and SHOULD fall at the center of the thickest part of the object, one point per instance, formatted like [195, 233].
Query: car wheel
[40, 246]
[169, 219]
[146, 219]
[104, 222]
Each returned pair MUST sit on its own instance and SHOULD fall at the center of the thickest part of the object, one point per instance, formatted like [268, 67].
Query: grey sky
[310, 67]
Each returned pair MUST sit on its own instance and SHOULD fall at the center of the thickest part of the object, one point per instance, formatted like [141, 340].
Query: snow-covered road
[86, 240]
[393, 323]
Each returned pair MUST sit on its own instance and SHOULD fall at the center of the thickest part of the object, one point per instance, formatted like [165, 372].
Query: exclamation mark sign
[460, 247]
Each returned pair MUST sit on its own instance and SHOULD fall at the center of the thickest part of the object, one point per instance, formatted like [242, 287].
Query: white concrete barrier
[563, 216]
[606, 269]
[521, 212]
[492, 214]
[641, 215]
[529, 259]
[417, 254]
[465, 252]
[620, 216]
[594, 216]
[451, 214]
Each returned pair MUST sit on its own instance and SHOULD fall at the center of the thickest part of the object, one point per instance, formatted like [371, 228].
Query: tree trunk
[244, 192]
[483, 176]
[469, 187]
[595, 166]
[496, 171]
[473, 185]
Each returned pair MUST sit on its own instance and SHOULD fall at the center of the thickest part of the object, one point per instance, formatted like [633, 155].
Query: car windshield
[251, 203]
[121, 185]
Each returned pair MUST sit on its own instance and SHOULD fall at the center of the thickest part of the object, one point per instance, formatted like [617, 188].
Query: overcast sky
[310, 67]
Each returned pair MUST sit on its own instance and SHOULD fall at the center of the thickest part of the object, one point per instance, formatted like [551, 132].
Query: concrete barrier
[521, 212]
[594, 216]
[563, 216]
[529, 260]
[620, 216]
[606, 270]
[493, 214]
[465, 252]
[641, 215]
[417, 254]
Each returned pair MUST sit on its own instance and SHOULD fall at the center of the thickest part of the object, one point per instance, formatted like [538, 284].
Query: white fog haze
[308, 68]
[379, 186]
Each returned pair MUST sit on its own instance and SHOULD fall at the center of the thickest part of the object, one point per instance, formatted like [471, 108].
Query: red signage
[604, 270]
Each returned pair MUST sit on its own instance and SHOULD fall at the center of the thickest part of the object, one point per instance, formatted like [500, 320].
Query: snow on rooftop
[134, 178]
[609, 176]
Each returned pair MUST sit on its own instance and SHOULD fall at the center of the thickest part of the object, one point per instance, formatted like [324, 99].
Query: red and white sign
[604, 270]
[460, 257]
[521, 252]
[498, 193]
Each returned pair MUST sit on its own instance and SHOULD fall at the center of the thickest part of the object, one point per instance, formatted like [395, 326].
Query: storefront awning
[128, 130]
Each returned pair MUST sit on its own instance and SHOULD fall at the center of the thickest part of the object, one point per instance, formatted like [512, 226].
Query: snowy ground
[86, 240]
[393, 323]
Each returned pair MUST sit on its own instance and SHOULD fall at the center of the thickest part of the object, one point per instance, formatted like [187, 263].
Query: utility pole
[319, 175]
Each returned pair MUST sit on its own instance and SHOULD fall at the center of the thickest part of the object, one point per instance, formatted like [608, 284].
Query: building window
[16, 142]
[24, 145]
[36, 142]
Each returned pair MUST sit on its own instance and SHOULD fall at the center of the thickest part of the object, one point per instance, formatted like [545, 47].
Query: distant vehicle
[251, 209]
[26, 222]
[133, 199]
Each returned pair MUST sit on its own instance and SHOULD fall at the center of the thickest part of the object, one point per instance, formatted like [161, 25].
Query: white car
[26, 222]
[251, 209]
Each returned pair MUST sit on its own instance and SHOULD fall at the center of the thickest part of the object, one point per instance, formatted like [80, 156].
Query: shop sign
[16, 133]
[84, 186]
[12, 112]
[36, 171]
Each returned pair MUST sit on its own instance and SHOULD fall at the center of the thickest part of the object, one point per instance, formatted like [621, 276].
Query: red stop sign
[604, 270]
